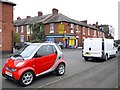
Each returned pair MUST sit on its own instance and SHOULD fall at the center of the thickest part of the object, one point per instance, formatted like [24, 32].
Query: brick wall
[7, 27]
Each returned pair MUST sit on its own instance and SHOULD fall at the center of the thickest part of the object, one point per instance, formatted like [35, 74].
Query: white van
[98, 48]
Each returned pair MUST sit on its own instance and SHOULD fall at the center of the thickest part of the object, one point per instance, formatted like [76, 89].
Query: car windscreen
[28, 51]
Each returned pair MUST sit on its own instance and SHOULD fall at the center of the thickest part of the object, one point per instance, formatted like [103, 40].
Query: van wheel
[106, 57]
[26, 78]
[60, 70]
[86, 58]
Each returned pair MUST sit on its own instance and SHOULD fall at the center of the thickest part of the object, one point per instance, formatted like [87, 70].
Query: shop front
[65, 41]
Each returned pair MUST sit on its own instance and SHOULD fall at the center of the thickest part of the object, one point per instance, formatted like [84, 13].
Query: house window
[16, 29]
[72, 28]
[0, 30]
[88, 31]
[84, 30]
[94, 32]
[77, 29]
[100, 34]
[61, 28]
[22, 38]
[52, 28]
[21, 29]
[103, 35]
[28, 29]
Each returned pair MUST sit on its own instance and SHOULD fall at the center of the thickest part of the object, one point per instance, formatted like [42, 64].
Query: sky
[101, 11]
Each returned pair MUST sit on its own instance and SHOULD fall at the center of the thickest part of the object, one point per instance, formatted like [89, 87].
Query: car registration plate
[8, 73]
[87, 53]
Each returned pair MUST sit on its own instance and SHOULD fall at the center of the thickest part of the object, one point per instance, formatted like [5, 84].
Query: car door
[45, 58]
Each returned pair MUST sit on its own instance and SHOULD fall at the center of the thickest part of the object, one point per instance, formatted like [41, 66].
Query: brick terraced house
[6, 26]
[58, 28]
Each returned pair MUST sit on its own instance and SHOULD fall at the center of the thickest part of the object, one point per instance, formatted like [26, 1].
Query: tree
[37, 32]
[111, 31]
[16, 37]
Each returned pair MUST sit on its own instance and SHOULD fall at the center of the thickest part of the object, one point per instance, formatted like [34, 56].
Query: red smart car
[36, 59]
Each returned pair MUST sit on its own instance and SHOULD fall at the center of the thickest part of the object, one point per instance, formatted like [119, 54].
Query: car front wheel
[60, 69]
[27, 78]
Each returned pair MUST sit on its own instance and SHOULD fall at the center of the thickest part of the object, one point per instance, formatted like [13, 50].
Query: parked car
[99, 48]
[36, 59]
[21, 45]
[118, 47]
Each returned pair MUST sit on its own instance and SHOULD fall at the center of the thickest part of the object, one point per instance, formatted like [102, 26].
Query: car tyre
[86, 58]
[106, 57]
[27, 78]
[60, 70]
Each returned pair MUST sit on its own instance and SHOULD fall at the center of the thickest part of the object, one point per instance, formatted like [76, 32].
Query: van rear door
[92, 47]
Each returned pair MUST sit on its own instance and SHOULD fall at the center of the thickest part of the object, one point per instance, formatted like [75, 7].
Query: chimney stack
[18, 18]
[28, 17]
[96, 24]
[40, 13]
[85, 21]
[54, 11]
[93, 24]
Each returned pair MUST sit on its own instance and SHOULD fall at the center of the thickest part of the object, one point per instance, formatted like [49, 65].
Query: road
[79, 74]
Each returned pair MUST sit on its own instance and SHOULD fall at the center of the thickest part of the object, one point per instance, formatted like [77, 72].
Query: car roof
[42, 44]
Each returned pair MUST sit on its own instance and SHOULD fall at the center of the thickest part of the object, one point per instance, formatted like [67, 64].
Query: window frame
[16, 29]
[45, 53]
[28, 29]
[72, 27]
[51, 27]
[77, 28]
[88, 31]
[95, 32]
[22, 29]
[83, 30]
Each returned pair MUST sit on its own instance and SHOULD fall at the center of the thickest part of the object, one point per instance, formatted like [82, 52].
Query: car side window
[54, 49]
[45, 50]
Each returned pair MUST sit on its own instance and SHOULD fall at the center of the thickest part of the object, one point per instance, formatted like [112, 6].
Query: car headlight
[20, 64]
[11, 69]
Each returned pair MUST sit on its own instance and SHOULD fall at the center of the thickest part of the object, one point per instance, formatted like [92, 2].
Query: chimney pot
[28, 17]
[54, 11]
[40, 13]
[96, 24]
[85, 21]
[18, 18]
